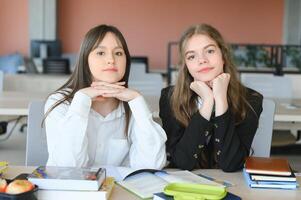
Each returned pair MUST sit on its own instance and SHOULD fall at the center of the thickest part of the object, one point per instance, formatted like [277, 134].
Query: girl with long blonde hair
[209, 117]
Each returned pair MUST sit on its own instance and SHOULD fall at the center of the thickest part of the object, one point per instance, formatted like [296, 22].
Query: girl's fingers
[108, 91]
[112, 85]
[103, 87]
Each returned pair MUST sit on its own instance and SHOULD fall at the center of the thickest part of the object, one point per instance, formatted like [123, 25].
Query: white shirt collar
[117, 113]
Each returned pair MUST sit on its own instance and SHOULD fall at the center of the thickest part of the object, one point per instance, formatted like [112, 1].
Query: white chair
[268, 84]
[1, 81]
[137, 69]
[262, 141]
[275, 87]
[36, 144]
[149, 84]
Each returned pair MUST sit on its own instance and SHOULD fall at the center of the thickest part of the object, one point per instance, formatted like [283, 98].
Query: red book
[268, 166]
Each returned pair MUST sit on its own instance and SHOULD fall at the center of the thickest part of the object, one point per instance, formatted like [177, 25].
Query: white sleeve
[147, 138]
[66, 127]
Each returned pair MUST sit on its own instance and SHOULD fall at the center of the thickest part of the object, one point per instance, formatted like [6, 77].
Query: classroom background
[40, 39]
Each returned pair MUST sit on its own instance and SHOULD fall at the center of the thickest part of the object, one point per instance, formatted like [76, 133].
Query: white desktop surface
[16, 103]
[240, 187]
[288, 110]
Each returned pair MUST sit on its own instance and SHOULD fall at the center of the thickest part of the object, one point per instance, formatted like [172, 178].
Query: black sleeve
[183, 144]
[233, 141]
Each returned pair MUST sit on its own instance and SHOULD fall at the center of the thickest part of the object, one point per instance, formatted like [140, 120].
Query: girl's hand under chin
[124, 94]
[98, 89]
[220, 85]
[115, 90]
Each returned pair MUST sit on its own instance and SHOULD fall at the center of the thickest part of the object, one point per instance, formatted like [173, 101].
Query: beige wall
[148, 25]
[14, 30]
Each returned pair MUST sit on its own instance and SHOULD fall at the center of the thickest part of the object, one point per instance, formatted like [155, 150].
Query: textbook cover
[68, 178]
[268, 166]
[103, 193]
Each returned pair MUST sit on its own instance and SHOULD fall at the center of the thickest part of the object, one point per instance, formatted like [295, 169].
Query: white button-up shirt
[79, 136]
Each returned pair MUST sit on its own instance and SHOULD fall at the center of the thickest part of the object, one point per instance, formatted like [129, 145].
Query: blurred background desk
[288, 116]
[33, 83]
[16, 103]
[288, 110]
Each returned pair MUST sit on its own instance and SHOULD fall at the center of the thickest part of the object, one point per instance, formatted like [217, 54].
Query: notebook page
[144, 184]
[186, 177]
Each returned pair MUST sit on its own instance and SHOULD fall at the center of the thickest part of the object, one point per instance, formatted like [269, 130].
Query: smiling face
[107, 61]
[203, 58]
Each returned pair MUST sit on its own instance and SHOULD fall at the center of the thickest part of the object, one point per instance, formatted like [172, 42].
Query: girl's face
[203, 58]
[107, 62]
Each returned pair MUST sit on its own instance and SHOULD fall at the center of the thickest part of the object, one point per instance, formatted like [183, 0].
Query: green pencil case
[187, 191]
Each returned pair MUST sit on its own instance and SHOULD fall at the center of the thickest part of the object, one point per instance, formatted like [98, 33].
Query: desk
[16, 103]
[37, 83]
[240, 188]
[287, 110]
[288, 115]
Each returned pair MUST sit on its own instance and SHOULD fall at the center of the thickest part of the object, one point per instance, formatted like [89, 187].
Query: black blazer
[222, 142]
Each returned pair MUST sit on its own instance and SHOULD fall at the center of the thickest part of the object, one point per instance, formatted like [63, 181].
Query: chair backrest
[269, 85]
[1, 81]
[149, 84]
[36, 143]
[263, 138]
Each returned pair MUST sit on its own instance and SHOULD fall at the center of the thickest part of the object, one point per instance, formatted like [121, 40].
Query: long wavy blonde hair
[185, 106]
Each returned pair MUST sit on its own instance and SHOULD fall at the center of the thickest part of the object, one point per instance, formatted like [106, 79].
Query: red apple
[19, 186]
[3, 185]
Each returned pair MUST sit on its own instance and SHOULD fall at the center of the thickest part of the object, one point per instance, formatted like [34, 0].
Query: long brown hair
[82, 77]
[184, 107]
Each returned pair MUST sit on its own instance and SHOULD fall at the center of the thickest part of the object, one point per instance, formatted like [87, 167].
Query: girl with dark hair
[209, 117]
[94, 119]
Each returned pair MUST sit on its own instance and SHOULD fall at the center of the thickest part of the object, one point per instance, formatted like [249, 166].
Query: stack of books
[60, 183]
[269, 173]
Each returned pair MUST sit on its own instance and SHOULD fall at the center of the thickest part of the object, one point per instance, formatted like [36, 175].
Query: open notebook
[144, 183]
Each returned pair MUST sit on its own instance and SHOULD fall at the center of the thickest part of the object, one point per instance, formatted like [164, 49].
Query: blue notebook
[269, 184]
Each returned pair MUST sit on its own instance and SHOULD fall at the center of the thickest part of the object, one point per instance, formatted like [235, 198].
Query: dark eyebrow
[103, 47]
